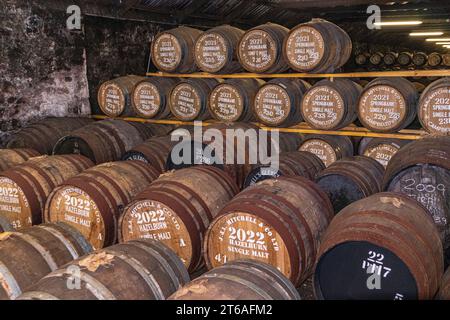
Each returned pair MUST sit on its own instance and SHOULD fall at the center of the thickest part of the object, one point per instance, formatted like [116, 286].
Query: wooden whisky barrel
[114, 96]
[295, 163]
[189, 99]
[12, 157]
[177, 208]
[446, 59]
[444, 290]
[43, 135]
[404, 59]
[265, 223]
[318, 46]
[434, 107]
[32, 253]
[239, 280]
[381, 247]
[278, 101]
[216, 50]
[150, 97]
[107, 140]
[329, 149]
[361, 59]
[434, 59]
[232, 100]
[351, 179]
[93, 201]
[24, 188]
[136, 270]
[173, 50]
[390, 58]
[419, 59]
[260, 49]
[381, 149]
[376, 58]
[421, 170]
[331, 105]
[388, 104]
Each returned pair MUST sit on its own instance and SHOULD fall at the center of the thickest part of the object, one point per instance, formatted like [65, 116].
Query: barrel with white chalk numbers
[328, 148]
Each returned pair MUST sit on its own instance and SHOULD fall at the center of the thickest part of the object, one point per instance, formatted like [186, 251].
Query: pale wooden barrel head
[211, 52]
[241, 235]
[111, 99]
[257, 51]
[14, 205]
[226, 103]
[323, 107]
[382, 152]
[382, 108]
[272, 104]
[147, 99]
[434, 110]
[185, 102]
[305, 48]
[76, 208]
[321, 149]
[166, 52]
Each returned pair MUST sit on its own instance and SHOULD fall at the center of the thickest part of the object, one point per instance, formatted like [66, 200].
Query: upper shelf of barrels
[269, 96]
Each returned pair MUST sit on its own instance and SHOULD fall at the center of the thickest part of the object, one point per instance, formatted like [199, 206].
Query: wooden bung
[43, 135]
[350, 179]
[173, 50]
[177, 208]
[136, 270]
[25, 188]
[278, 101]
[13, 157]
[421, 170]
[239, 280]
[260, 49]
[150, 97]
[232, 100]
[381, 149]
[114, 96]
[329, 149]
[383, 247]
[318, 46]
[388, 104]
[279, 222]
[331, 105]
[93, 201]
[216, 50]
[434, 107]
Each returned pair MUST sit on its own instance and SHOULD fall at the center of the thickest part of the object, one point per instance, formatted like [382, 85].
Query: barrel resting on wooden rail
[301, 128]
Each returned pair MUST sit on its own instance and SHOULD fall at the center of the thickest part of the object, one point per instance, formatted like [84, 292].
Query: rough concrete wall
[43, 66]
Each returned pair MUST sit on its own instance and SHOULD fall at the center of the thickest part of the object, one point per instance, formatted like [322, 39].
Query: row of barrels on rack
[402, 59]
[383, 105]
[317, 46]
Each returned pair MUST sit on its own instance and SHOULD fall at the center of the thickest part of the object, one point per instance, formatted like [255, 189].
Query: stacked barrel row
[383, 105]
[401, 60]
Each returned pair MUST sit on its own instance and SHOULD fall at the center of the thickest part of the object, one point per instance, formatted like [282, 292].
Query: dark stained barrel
[93, 201]
[32, 253]
[173, 50]
[434, 59]
[239, 280]
[329, 149]
[444, 290]
[107, 140]
[419, 59]
[137, 270]
[43, 135]
[289, 141]
[404, 59]
[278, 102]
[446, 59]
[12, 157]
[279, 222]
[381, 149]
[216, 50]
[294, 163]
[390, 58]
[362, 58]
[376, 58]
[318, 46]
[388, 104]
[114, 96]
[189, 99]
[24, 188]
[421, 170]
[434, 107]
[233, 99]
[331, 105]
[381, 247]
[351, 179]
[260, 49]
[150, 97]
[177, 208]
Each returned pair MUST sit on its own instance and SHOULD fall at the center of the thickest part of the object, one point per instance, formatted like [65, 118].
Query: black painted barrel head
[360, 270]
[74, 145]
[341, 190]
[260, 174]
[190, 153]
[135, 155]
